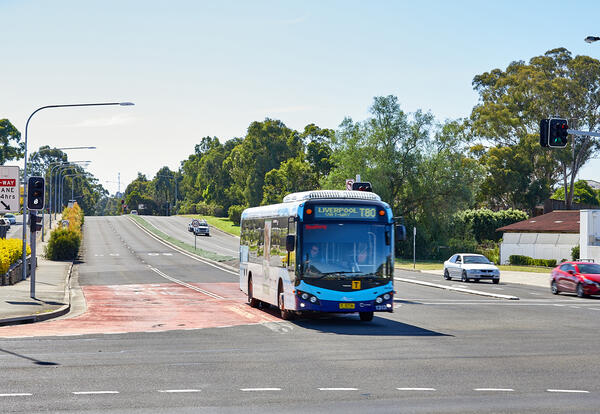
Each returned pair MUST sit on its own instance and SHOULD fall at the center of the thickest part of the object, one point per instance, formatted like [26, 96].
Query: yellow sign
[346, 305]
[356, 284]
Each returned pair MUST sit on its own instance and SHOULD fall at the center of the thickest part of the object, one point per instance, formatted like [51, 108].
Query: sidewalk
[51, 292]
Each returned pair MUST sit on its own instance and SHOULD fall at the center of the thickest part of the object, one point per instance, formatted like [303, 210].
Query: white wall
[538, 245]
[589, 235]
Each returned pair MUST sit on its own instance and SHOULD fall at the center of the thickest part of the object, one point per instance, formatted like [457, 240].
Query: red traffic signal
[558, 133]
[362, 187]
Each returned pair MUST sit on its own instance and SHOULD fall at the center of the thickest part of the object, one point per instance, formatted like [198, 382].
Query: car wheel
[580, 291]
[554, 288]
[496, 281]
[366, 316]
[252, 301]
[447, 275]
[464, 278]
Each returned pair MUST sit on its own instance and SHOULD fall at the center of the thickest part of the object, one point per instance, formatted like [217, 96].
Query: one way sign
[10, 197]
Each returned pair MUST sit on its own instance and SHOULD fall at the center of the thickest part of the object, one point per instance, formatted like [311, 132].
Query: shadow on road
[352, 325]
[35, 361]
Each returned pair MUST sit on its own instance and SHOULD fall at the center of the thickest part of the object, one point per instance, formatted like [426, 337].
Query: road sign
[10, 195]
[349, 184]
[195, 223]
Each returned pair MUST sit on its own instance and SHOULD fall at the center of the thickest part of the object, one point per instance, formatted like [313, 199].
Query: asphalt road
[439, 352]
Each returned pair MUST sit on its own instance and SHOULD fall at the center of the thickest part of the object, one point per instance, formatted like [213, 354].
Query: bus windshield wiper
[341, 274]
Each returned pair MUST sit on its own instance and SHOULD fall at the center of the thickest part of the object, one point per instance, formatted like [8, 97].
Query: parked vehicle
[4, 222]
[134, 212]
[470, 266]
[11, 218]
[582, 278]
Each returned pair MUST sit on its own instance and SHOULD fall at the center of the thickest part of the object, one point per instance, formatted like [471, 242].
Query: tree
[318, 149]
[294, 175]
[512, 103]
[582, 193]
[9, 135]
[43, 158]
[266, 145]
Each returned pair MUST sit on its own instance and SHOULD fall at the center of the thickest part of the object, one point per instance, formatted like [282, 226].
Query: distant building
[549, 236]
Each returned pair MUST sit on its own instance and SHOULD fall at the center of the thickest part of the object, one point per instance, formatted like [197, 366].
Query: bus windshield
[335, 250]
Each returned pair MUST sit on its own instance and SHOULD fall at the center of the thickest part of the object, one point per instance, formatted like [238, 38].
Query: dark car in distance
[582, 278]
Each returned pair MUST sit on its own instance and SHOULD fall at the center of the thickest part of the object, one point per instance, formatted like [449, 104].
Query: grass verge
[222, 223]
[185, 246]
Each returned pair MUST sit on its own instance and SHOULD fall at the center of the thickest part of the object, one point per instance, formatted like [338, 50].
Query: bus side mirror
[290, 242]
[400, 232]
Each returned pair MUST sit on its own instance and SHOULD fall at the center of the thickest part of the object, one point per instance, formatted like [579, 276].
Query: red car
[582, 278]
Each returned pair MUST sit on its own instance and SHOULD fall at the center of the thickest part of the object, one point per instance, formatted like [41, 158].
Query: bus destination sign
[346, 212]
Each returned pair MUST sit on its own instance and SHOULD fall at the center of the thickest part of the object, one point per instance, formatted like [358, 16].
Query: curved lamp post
[24, 256]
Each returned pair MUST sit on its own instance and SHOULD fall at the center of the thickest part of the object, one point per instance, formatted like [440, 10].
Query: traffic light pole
[583, 133]
[33, 262]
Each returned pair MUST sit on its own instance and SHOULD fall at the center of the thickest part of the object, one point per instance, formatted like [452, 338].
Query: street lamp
[592, 39]
[24, 255]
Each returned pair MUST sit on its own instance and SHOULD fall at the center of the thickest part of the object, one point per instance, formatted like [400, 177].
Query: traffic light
[35, 222]
[362, 187]
[544, 132]
[35, 193]
[557, 133]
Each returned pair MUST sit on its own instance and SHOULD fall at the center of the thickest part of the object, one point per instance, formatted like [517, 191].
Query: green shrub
[518, 260]
[575, 253]
[63, 244]
[235, 214]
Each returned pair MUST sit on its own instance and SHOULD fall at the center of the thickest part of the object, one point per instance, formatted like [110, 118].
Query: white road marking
[416, 389]
[174, 391]
[534, 293]
[94, 392]
[570, 391]
[153, 254]
[456, 289]
[197, 289]
[16, 394]
[338, 389]
[494, 389]
[279, 327]
[113, 254]
[260, 389]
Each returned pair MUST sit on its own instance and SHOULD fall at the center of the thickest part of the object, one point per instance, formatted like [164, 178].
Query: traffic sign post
[10, 196]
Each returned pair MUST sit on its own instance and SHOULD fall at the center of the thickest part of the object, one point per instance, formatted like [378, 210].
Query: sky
[210, 68]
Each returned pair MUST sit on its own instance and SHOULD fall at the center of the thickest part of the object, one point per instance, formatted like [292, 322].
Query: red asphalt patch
[150, 308]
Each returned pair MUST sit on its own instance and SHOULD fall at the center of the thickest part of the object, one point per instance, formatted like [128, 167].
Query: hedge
[519, 260]
[11, 250]
[64, 242]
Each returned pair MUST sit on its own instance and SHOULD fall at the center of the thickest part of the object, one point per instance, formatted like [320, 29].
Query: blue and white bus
[320, 251]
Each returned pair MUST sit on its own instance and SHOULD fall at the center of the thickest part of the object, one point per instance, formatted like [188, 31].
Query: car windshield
[476, 259]
[589, 268]
[346, 250]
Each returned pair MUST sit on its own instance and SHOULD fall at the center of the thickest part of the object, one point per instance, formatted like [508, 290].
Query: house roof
[558, 221]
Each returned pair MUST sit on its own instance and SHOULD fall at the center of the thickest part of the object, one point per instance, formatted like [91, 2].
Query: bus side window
[291, 231]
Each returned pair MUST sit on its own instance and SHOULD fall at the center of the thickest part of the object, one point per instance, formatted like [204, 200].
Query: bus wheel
[253, 302]
[286, 315]
[366, 316]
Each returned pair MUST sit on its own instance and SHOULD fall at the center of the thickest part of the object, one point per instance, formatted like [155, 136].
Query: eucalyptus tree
[11, 146]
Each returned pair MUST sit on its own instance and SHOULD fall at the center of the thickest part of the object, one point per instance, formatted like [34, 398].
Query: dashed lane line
[570, 391]
[494, 389]
[259, 389]
[94, 392]
[16, 394]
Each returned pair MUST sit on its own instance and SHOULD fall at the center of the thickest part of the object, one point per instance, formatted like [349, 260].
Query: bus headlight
[386, 296]
[378, 299]
[308, 297]
[305, 296]
[313, 299]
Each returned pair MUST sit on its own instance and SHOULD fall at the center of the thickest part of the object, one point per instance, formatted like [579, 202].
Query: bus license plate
[346, 305]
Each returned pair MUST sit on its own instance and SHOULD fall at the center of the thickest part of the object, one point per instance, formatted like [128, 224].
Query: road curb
[183, 251]
[63, 310]
[455, 289]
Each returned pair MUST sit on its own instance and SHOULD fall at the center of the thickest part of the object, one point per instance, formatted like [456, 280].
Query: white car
[470, 266]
